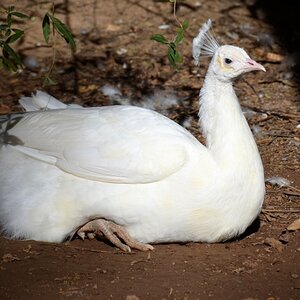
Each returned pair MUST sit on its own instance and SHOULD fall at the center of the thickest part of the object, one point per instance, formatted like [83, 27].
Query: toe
[115, 233]
[81, 234]
[91, 235]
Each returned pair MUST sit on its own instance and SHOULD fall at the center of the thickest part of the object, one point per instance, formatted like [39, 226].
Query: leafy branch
[173, 53]
[59, 27]
[8, 35]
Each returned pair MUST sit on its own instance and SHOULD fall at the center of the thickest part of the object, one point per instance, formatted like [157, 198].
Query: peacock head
[228, 62]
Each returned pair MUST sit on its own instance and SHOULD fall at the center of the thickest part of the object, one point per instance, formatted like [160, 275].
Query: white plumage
[61, 168]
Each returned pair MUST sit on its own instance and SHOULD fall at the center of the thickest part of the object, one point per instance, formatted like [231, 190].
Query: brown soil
[264, 263]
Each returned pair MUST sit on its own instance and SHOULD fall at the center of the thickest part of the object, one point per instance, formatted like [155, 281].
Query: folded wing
[119, 144]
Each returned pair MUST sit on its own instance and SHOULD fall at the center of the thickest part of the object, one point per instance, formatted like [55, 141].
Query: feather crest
[204, 43]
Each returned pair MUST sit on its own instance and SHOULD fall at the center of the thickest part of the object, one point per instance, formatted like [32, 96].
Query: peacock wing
[119, 144]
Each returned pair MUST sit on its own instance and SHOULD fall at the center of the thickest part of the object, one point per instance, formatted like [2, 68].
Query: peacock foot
[113, 232]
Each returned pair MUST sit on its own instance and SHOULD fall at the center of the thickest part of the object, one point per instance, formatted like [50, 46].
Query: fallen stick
[266, 211]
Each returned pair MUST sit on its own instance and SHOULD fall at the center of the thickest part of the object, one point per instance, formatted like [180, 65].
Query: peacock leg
[113, 232]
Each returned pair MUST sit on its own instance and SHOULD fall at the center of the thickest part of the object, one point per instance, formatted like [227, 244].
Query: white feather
[111, 91]
[204, 43]
[67, 137]
[277, 180]
[42, 101]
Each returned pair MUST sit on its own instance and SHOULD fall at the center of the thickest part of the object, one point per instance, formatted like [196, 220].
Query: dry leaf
[294, 226]
[269, 56]
[87, 88]
[113, 27]
[4, 109]
[274, 244]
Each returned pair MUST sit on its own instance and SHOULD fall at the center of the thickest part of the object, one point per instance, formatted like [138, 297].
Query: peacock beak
[252, 65]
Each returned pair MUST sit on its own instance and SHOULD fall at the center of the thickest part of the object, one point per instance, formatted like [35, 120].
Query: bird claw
[83, 235]
[113, 232]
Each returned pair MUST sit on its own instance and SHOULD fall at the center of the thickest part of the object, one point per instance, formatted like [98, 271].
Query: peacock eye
[228, 61]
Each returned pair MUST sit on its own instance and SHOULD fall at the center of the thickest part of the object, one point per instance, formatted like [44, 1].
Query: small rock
[121, 51]
[284, 237]
[9, 258]
[84, 31]
[132, 297]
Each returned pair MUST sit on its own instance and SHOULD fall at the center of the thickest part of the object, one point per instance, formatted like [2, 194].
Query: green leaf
[14, 37]
[16, 30]
[185, 25]
[171, 58]
[178, 57]
[179, 37]
[172, 45]
[46, 28]
[10, 54]
[9, 64]
[159, 38]
[19, 15]
[63, 30]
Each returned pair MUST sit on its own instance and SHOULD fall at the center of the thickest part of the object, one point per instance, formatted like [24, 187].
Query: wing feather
[116, 144]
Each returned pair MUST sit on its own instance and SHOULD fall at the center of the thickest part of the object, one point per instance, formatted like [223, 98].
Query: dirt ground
[113, 48]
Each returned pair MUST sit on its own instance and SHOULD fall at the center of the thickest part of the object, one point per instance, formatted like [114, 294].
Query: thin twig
[293, 188]
[279, 114]
[285, 211]
[284, 82]
[289, 193]
[90, 250]
[54, 48]
[264, 141]
[174, 13]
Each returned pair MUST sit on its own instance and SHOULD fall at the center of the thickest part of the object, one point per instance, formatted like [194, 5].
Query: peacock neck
[227, 133]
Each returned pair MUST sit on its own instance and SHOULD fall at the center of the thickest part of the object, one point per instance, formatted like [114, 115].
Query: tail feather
[42, 101]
